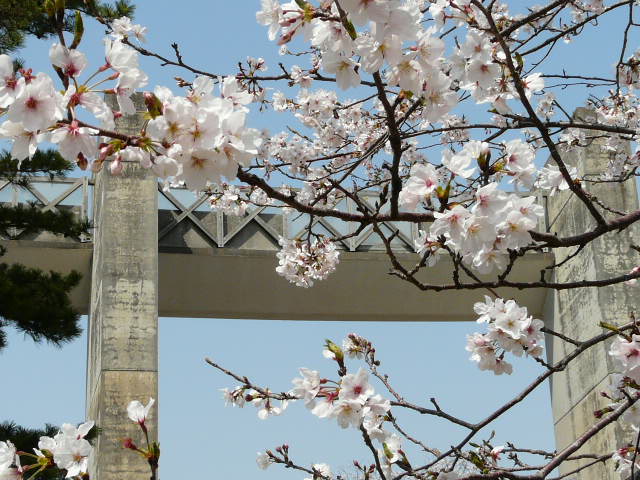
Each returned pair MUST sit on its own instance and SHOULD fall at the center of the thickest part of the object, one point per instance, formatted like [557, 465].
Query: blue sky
[423, 359]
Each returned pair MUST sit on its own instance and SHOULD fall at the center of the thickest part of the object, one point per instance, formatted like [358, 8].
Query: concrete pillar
[577, 313]
[123, 321]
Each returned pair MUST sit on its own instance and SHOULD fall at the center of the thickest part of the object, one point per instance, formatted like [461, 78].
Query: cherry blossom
[307, 387]
[263, 460]
[551, 178]
[270, 16]
[626, 353]
[38, 105]
[70, 61]
[323, 470]
[10, 86]
[343, 68]
[138, 412]
[25, 142]
[356, 387]
[7, 454]
[73, 140]
[303, 262]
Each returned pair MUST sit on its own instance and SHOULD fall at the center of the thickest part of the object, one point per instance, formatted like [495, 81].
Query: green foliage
[37, 303]
[48, 162]
[19, 18]
[25, 438]
[29, 218]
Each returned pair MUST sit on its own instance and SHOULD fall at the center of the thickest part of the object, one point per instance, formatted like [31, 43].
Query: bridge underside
[240, 283]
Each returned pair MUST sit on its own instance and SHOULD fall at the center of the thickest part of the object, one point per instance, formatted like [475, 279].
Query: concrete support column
[577, 313]
[123, 322]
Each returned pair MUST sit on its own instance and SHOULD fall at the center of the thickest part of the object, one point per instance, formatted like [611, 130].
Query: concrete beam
[232, 283]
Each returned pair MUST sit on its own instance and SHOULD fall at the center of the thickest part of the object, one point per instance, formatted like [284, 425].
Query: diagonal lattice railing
[187, 221]
[53, 200]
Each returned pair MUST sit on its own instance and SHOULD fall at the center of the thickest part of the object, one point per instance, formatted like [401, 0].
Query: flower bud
[106, 150]
[153, 103]
[600, 413]
[82, 161]
[96, 165]
[116, 168]
[128, 443]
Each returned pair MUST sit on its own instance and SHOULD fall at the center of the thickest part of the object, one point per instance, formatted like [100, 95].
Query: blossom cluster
[68, 450]
[37, 111]
[625, 352]
[303, 262]
[10, 467]
[197, 139]
[351, 401]
[510, 329]
[484, 233]
[201, 138]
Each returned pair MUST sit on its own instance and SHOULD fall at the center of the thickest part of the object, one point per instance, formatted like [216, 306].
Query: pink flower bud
[116, 166]
[128, 443]
[82, 161]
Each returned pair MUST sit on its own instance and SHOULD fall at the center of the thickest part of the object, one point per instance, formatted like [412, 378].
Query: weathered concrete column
[577, 313]
[123, 321]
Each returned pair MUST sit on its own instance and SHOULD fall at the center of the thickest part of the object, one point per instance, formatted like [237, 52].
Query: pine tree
[21, 18]
[31, 300]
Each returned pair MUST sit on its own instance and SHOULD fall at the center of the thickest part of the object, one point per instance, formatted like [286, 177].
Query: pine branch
[37, 303]
[19, 18]
[43, 162]
[30, 218]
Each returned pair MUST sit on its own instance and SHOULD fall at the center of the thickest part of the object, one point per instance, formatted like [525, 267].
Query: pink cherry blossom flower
[356, 387]
[10, 86]
[38, 106]
[71, 62]
[73, 140]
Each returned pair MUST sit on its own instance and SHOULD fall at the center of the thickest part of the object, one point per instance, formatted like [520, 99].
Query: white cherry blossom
[138, 412]
[10, 86]
[73, 139]
[71, 62]
[38, 105]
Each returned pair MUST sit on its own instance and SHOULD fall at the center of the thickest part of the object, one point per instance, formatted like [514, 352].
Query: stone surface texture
[577, 313]
[123, 321]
